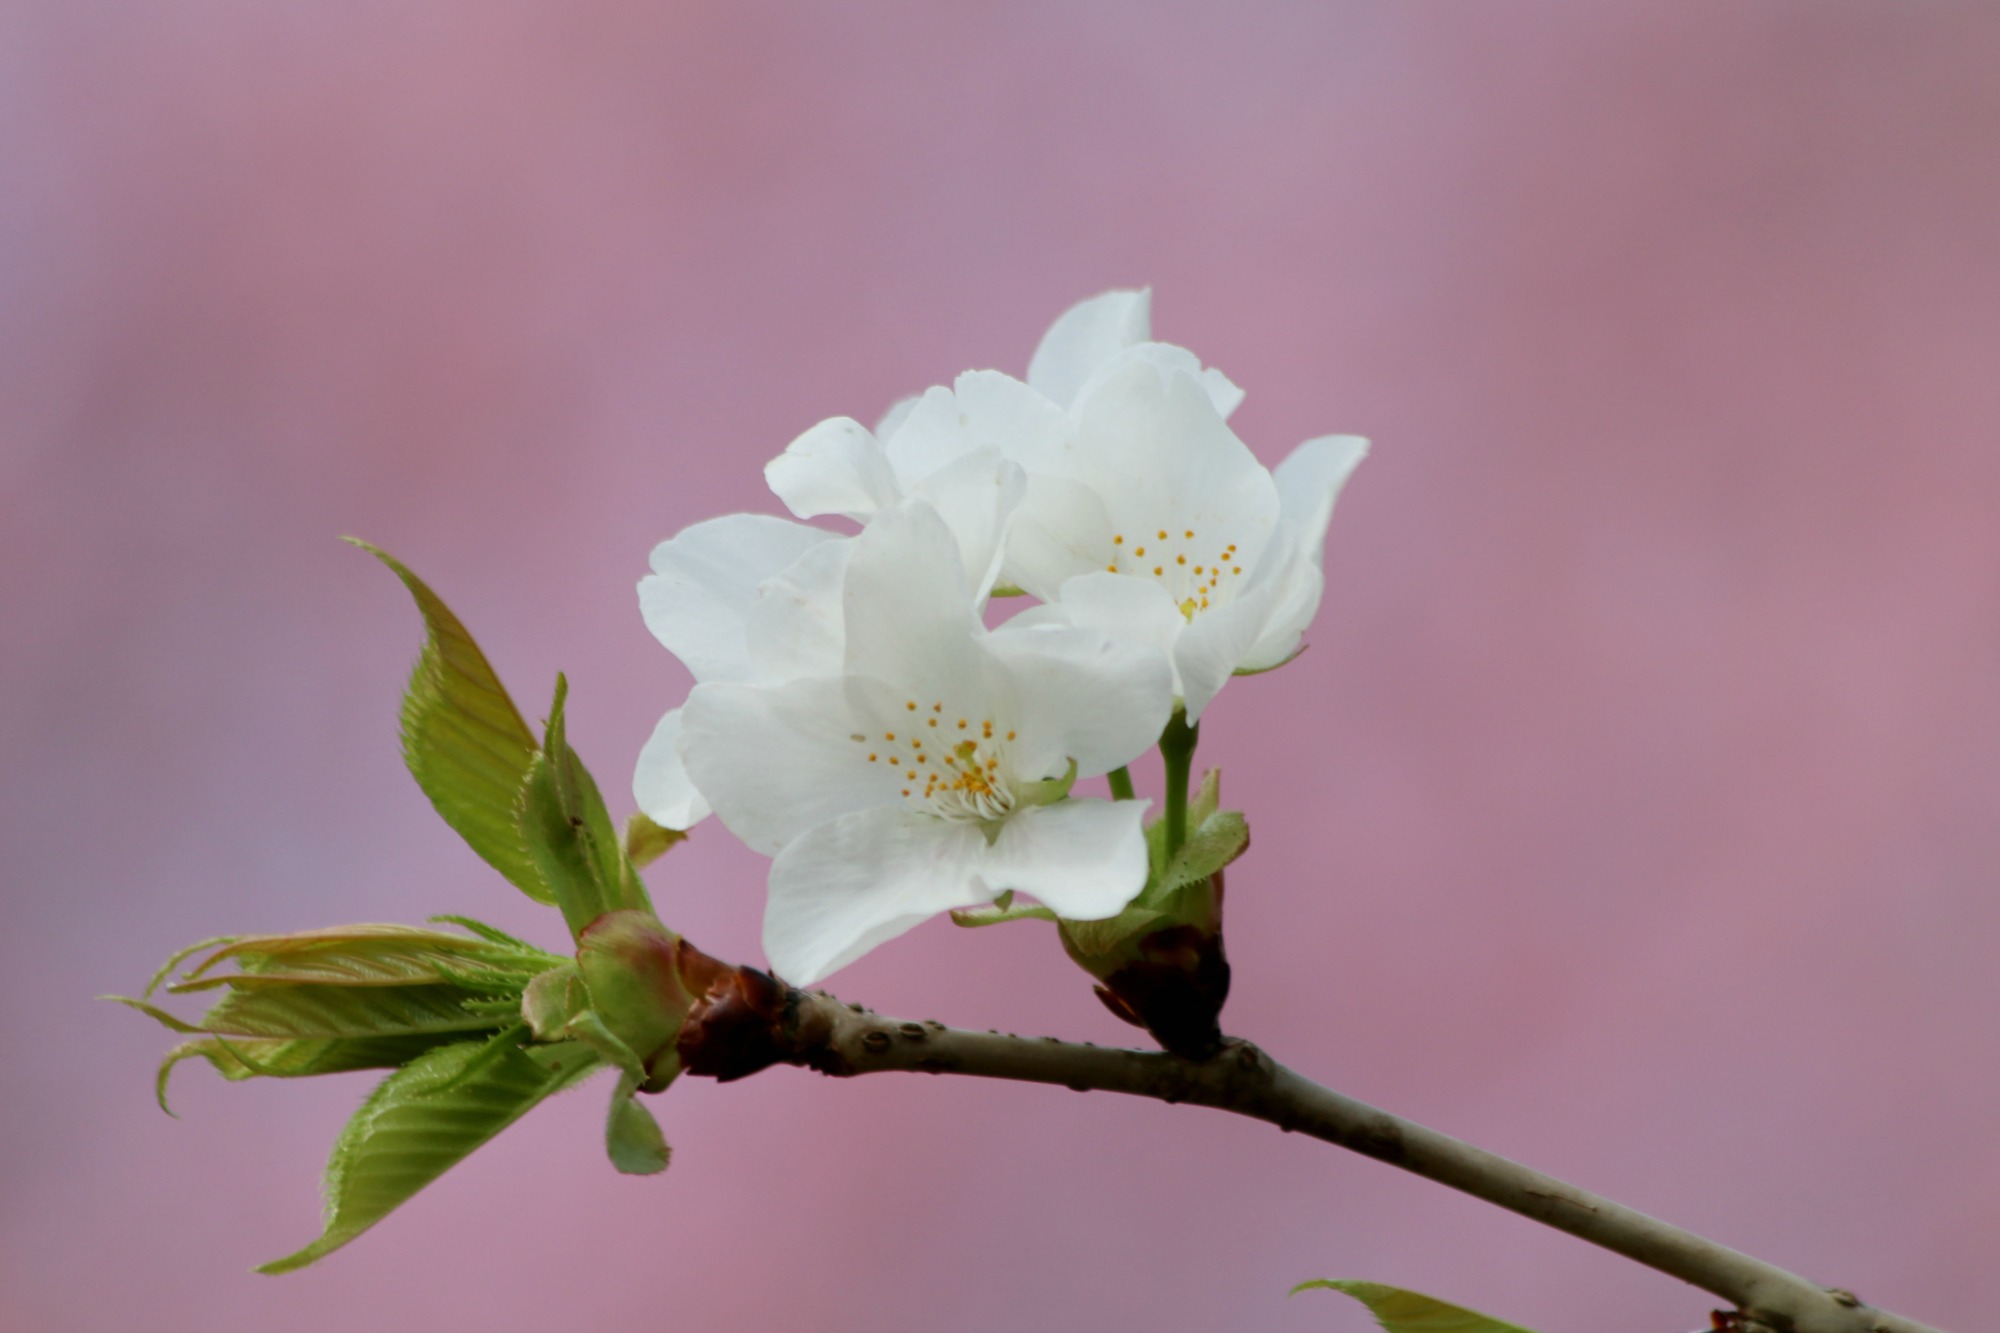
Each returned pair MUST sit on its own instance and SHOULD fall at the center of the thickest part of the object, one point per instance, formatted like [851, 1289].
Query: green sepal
[1401, 1311]
[996, 915]
[632, 1138]
[1045, 791]
[463, 739]
[1286, 660]
[568, 832]
[646, 841]
[422, 1120]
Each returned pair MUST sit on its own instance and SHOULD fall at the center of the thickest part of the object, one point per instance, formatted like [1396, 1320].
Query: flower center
[952, 767]
[1175, 561]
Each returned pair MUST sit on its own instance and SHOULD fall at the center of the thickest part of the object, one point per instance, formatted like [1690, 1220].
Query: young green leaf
[1219, 839]
[463, 739]
[568, 832]
[646, 842]
[422, 1120]
[1400, 1311]
[346, 1011]
[1207, 798]
[365, 955]
[239, 1058]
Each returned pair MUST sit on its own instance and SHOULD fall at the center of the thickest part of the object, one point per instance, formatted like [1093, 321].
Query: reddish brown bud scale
[1174, 989]
[741, 1020]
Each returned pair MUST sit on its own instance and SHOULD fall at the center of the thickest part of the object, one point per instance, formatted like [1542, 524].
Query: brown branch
[819, 1032]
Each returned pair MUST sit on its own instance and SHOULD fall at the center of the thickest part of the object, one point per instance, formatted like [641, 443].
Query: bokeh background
[1636, 811]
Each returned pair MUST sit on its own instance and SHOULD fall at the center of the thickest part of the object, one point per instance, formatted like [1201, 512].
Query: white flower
[751, 598]
[925, 777]
[1142, 515]
[1171, 533]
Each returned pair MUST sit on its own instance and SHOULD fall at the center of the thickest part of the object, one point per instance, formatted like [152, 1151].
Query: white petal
[660, 783]
[705, 580]
[1060, 530]
[848, 885]
[892, 420]
[908, 607]
[927, 435]
[1166, 360]
[1216, 642]
[1285, 628]
[835, 468]
[775, 760]
[1121, 607]
[1309, 481]
[1084, 337]
[1086, 859]
[976, 496]
[1074, 694]
[795, 625]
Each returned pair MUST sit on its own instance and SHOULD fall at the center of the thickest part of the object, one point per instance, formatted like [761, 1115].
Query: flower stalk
[1177, 745]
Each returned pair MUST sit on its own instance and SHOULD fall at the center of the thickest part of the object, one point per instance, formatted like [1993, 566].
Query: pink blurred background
[1634, 812]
